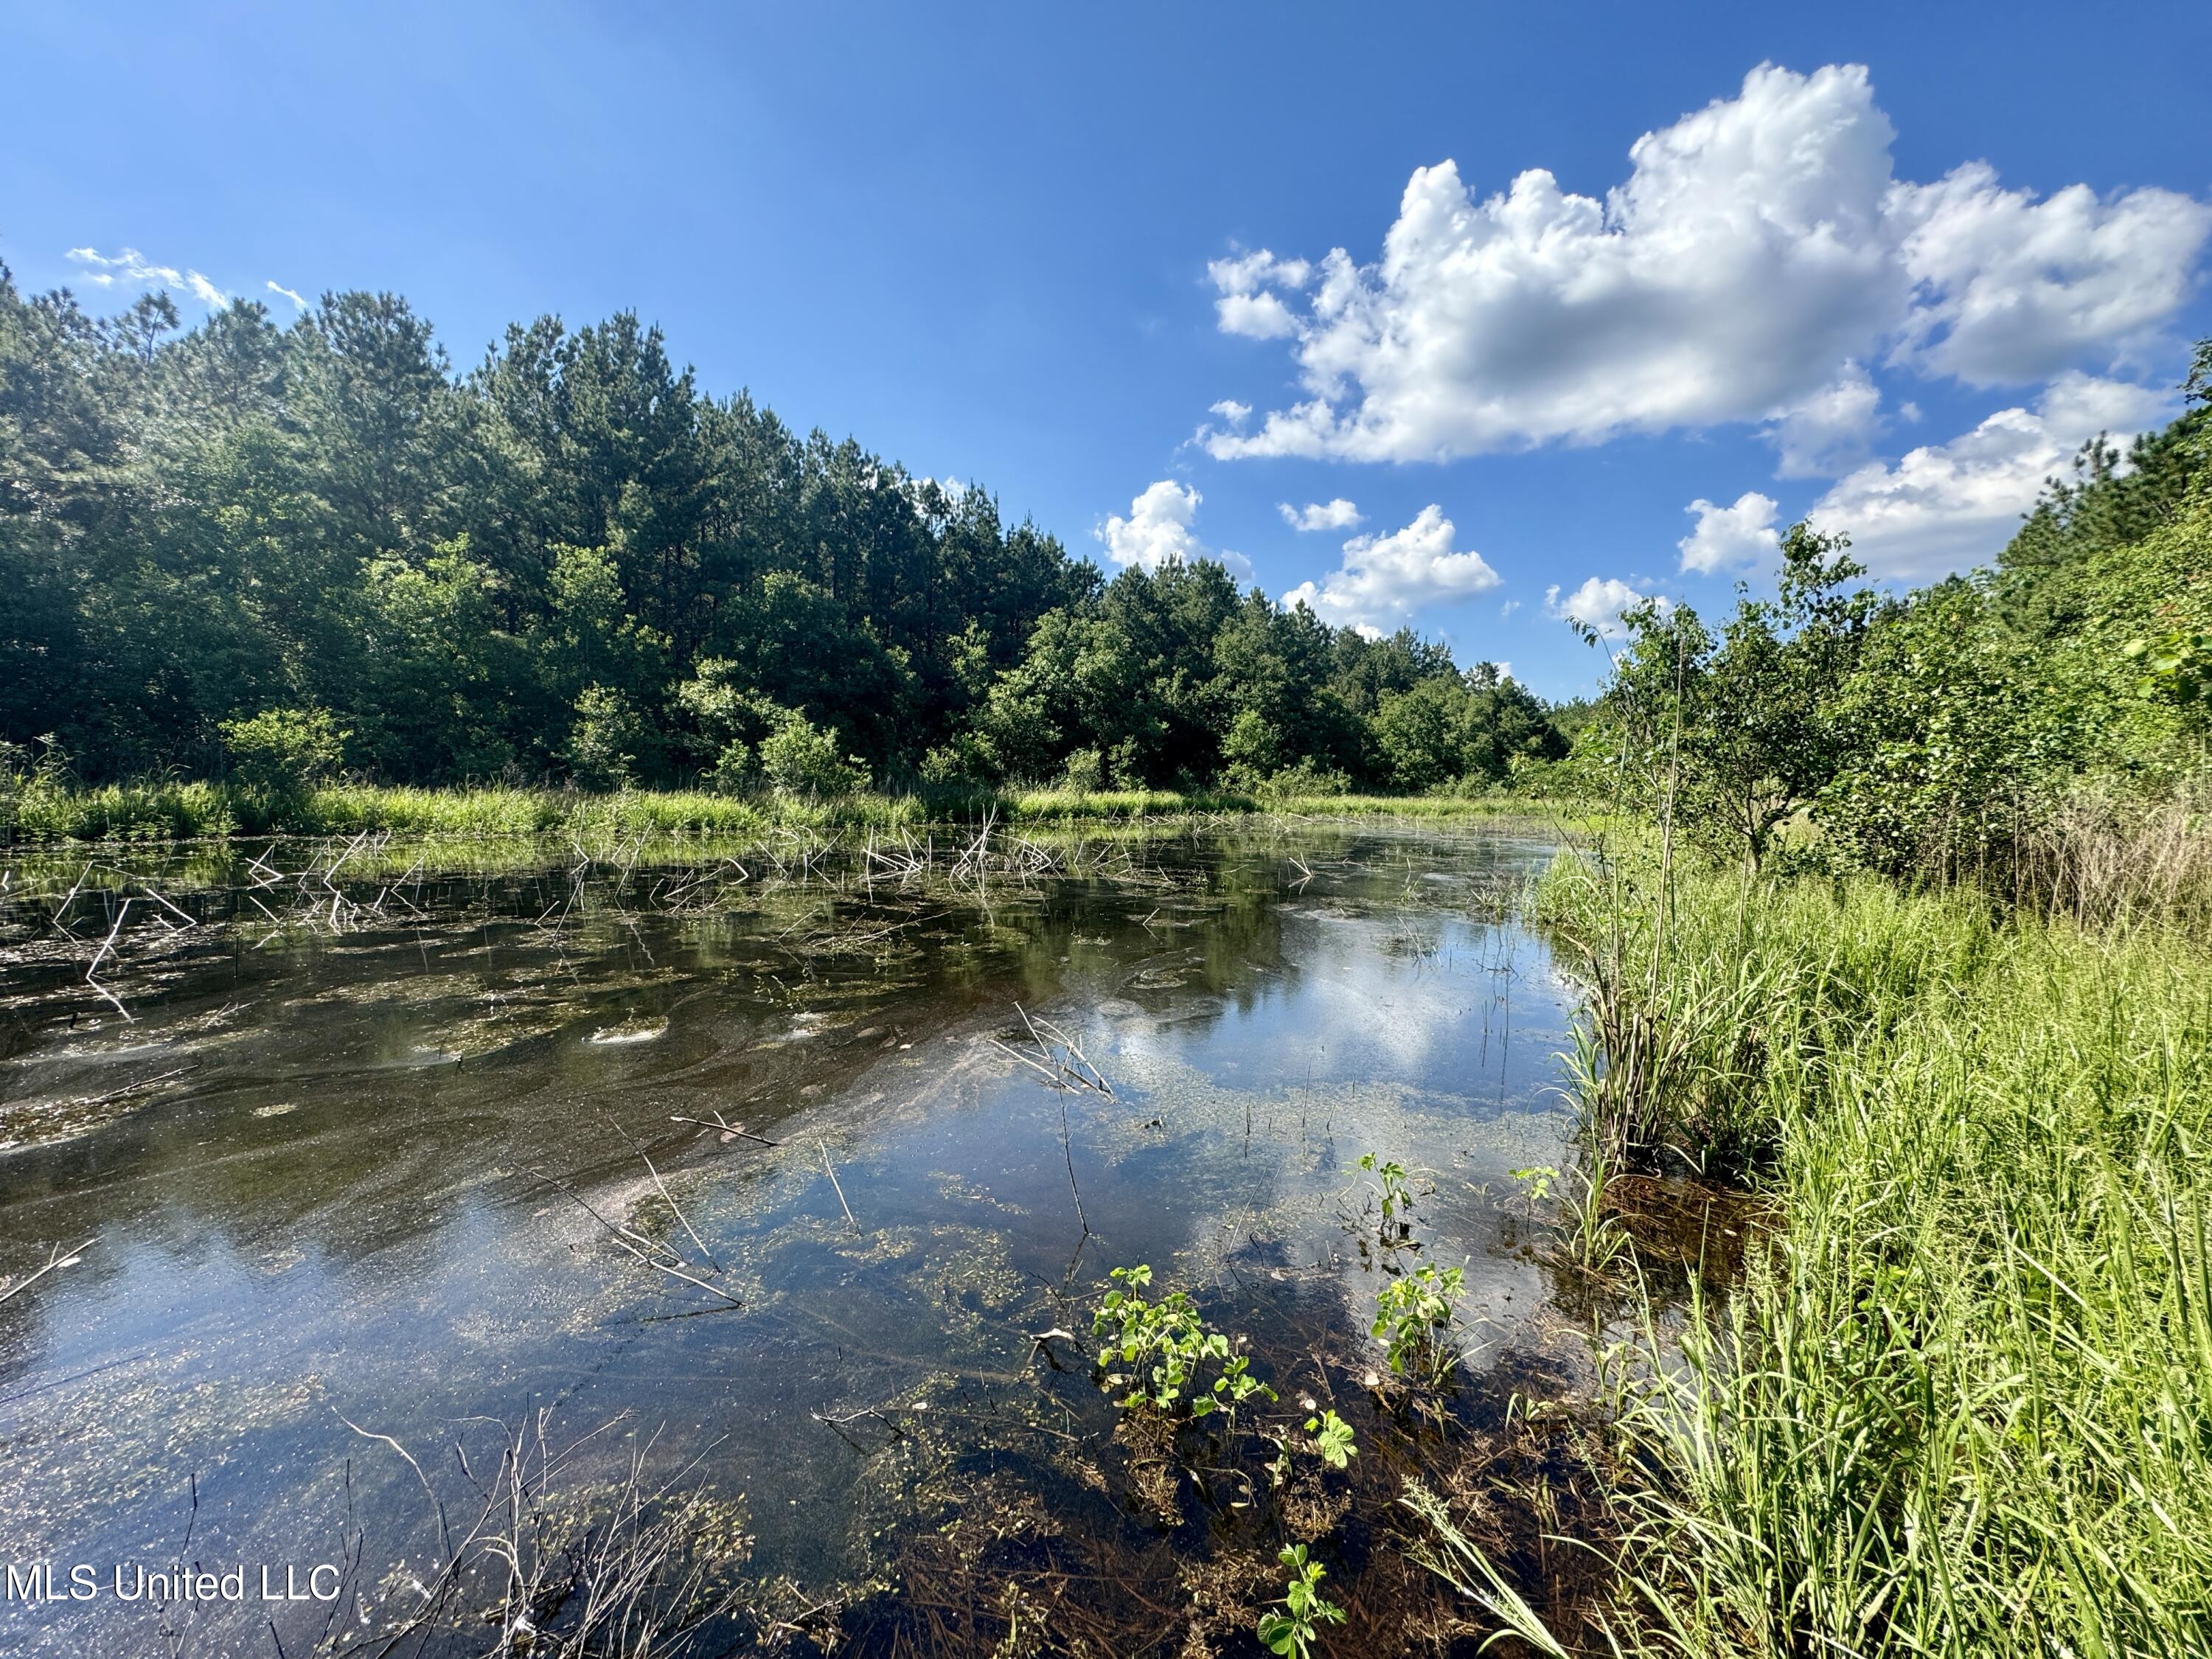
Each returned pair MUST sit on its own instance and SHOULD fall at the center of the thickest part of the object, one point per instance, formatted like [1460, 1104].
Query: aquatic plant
[1393, 1187]
[1536, 1182]
[1413, 1314]
[1333, 1441]
[1157, 1349]
[1295, 1629]
[1328, 1439]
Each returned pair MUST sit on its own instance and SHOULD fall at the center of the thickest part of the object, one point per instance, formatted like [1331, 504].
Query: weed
[1157, 1349]
[1296, 1629]
[1413, 1313]
[1393, 1185]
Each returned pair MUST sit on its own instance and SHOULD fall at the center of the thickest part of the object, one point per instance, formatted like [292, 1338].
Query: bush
[801, 758]
[284, 750]
[606, 740]
[1086, 771]
[1309, 777]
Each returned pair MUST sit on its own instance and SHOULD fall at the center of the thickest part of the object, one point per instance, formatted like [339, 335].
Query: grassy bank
[164, 810]
[1962, 1403]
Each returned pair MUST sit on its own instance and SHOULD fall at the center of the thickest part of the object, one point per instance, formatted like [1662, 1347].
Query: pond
[788, 1180]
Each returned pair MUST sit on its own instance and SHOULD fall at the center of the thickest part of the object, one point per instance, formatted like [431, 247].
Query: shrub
[606, 740]
[801, 758]
[284, 750]
[1086, 771]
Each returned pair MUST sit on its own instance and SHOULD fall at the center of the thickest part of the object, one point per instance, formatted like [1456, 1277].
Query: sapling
[1397, 1195]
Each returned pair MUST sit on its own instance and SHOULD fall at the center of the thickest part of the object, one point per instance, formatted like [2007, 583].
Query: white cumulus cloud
[1759, 251]
[2018, 289]
[1338, 514]
[1738, 537]
[1232, 412]
[1946, 506]
[1247, 304]
[1597, 604]
[132, 269]
[1382, 580]
[1159, 530]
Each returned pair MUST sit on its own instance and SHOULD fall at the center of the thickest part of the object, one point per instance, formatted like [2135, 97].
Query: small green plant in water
[1332, 1439]
[1536, 1181]
[1296, 1629]
[1397, 1194]
[1412, 1314]
[1157, 1349]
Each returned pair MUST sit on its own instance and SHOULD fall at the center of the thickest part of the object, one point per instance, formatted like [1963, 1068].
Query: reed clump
[1961, 1402]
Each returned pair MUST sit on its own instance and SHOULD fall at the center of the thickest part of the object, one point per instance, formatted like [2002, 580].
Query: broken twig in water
[839, 1190]
[1069, 1068]
[729, 1130]
[667, 1197]
[649, 1251]
[56, 1259]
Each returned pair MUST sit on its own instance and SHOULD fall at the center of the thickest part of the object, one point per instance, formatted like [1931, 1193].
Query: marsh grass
[1961, 1402]
[163, 811]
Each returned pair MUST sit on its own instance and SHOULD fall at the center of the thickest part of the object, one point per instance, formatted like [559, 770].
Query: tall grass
[1962, 1402]
[2098, 857]
[168, 811]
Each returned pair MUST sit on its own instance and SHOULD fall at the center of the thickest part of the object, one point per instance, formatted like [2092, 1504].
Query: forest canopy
[273, 554]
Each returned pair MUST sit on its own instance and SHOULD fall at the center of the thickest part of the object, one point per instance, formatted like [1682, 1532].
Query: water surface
[353, 1170]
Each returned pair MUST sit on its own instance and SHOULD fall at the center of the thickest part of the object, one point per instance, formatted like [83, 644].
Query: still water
[363, 1168]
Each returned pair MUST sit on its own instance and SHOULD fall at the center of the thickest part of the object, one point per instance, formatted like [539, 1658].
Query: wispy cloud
[275, 286]
[132, 269]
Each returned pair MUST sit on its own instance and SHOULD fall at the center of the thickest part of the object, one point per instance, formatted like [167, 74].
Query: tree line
[1942, 733]
[273, 552]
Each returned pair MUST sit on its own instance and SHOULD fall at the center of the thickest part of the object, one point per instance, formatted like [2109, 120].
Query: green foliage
[1970, 1359]
[1474, 729]
[1734, 733]
[1158, 1351]
[284, 750]
[1305, 781]
[1536, 1181]
[1085, 772]
[602, 745]
[1952, 734]
[2176, 666]
[568, 562]
[1296, 1629]
[1393, 1187]
[799, 758]
[1332, 1440]
[1949, 741]
[1413, 1314]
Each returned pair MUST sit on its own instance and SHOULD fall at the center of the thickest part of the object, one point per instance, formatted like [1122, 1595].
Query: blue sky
[1023, 246]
